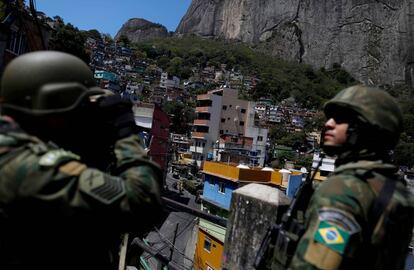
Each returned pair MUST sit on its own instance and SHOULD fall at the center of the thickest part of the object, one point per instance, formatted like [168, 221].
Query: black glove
[118, 116]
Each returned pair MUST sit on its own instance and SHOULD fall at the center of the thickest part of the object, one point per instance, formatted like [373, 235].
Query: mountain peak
[138, 30]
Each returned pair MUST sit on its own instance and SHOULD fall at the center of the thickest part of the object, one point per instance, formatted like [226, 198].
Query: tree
[181, 114]
[68, 38]
[107, 38]
[404, 154]
[123, 40]
[93, 33]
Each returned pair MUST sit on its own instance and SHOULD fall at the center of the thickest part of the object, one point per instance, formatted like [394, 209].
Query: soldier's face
[335, 133]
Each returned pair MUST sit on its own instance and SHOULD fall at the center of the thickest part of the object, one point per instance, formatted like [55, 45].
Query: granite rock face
[372, 39]
[138, 30]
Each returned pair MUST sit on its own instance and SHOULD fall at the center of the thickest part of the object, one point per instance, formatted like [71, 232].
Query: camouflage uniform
[362, 216]
[56, 213]
[338, 226]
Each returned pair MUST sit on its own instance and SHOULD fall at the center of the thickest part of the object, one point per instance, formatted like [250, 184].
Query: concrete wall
[254, 208]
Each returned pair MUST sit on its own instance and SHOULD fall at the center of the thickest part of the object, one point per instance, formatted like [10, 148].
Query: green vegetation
[181, 114]
[68, 38]
[277, 79]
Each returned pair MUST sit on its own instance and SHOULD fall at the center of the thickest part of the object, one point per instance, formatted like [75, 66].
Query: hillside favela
[229, 145]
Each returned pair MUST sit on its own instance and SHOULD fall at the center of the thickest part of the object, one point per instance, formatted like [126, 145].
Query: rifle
[283, 237]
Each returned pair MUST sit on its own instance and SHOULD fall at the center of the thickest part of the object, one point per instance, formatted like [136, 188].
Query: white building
[259, 135]
[326, 168]
[169, 81]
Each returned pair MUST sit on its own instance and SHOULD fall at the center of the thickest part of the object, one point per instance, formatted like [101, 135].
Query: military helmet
[45, 81]
[375, 108]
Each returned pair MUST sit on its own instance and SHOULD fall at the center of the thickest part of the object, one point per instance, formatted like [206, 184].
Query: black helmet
[45, 82]
[374, 116]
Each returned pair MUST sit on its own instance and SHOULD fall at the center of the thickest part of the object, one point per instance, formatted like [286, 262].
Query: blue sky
[107, 16]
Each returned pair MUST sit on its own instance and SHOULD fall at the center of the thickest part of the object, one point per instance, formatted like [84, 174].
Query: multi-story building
[206, 125]
[259, 135]
[221, 112]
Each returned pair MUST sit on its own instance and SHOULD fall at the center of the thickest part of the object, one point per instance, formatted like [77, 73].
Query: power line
[174, 205]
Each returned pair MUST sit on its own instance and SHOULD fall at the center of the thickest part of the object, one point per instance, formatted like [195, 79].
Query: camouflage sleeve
[58, 182]
[336, 215]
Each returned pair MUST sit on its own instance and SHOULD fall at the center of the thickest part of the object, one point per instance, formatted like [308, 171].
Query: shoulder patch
[332, 236]
[102, 187]
[55, 157]
[339, 217]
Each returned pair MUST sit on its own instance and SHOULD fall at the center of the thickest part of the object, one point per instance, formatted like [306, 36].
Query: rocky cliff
[138, 30]
[372, 39]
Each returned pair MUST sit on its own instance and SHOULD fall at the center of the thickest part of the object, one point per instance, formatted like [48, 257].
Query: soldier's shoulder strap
[384, 188]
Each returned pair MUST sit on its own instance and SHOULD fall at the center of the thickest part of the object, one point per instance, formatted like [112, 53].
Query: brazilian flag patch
[332, 236]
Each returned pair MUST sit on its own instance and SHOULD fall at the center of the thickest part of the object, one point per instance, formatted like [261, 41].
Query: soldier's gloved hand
[118, 116]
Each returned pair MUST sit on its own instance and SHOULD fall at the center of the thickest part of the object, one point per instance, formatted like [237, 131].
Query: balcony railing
[204, 97]
[203, 109]
[198, 135]
[201, 122]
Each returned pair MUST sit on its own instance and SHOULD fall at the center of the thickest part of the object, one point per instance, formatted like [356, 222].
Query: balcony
[199, 135]
[203, 109]
[201, 122]
[204, 97]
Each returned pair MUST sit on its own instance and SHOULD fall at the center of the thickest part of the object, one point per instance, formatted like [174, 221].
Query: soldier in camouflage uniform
[58, 209]
[361, 217]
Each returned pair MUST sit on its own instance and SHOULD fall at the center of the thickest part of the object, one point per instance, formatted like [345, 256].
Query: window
[222, 188]
[259, 152]
[223, 120]
[259, 138]
[221, 132]
[204, 144]
[211, 181]
[241, 123]
[224, 107]
[207, 244]
[243, 110]
[17, 43]
[230, 106]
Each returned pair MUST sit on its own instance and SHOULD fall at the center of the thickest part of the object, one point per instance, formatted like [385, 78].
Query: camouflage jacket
[340, 233]
[56, 212]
